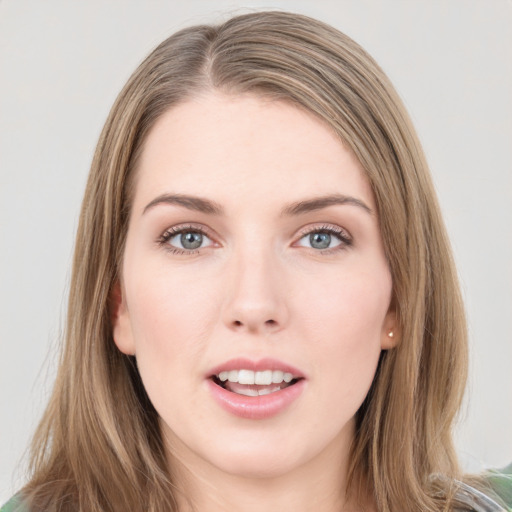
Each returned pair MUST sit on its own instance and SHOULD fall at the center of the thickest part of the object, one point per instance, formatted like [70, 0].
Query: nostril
[269, 324]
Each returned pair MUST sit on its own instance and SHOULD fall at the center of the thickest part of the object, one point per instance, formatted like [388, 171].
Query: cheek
[344, 323]
[170, 329]
[351, 307]
[171, 321]
[171, 306]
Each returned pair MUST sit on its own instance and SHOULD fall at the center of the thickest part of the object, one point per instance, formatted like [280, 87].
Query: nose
[256, 294]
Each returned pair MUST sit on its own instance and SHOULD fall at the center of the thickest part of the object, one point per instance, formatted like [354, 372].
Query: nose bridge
[256, 299]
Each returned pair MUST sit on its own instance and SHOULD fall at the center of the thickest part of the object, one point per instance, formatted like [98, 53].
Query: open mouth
[254, 383]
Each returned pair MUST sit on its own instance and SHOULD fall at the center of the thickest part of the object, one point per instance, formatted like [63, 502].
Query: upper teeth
[263, 378]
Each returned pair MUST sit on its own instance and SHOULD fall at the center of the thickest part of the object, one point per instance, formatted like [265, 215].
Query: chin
[258, 465]
[260, 455]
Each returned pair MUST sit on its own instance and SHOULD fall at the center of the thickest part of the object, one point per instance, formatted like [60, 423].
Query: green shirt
[500, 481]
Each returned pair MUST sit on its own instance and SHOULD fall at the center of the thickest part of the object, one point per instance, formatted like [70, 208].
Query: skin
[255, 288]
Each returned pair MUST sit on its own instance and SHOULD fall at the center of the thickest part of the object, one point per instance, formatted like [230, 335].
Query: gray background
[61, 66]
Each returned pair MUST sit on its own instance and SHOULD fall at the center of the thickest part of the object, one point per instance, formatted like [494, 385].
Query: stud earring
[391, 334]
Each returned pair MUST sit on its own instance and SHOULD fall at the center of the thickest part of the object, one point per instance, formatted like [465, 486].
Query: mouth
[255, 383]
[255, 390]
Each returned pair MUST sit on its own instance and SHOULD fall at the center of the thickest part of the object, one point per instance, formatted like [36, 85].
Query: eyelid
[172, 231]
[342, 234]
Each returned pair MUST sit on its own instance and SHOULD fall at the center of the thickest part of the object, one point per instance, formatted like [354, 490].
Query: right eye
[185, 240]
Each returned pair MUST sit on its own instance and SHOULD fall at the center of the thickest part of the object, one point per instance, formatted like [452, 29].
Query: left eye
[189, 240]
[321, 239]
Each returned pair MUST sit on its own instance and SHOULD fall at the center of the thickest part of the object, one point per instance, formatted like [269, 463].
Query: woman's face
[253, 254]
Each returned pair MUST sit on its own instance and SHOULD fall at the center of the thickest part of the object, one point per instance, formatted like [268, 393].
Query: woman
[263, 308]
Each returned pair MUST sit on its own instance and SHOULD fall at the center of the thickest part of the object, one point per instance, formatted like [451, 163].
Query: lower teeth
[256, 392]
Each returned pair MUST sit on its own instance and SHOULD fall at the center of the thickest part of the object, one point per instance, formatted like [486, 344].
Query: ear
[120, 318]
[391, 331]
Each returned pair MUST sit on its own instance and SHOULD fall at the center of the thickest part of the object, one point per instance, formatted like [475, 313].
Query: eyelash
[341, 234]
[178, 230]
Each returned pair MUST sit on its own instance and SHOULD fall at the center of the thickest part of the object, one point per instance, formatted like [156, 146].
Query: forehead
[248, 147]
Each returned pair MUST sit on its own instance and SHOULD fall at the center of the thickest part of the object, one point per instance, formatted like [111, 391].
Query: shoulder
[14, 505]
[470, 499]
[500, 482]
[494, 496]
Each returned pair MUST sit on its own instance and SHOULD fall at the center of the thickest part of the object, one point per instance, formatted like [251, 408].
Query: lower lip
[256, 407]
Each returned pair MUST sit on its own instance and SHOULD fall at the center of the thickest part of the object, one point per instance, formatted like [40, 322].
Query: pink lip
[257, 407]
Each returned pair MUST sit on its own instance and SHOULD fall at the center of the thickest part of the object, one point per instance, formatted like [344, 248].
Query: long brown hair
[98, 446]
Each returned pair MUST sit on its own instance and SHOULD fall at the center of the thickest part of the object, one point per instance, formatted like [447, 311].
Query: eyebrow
[318, 203]
[210, 207]
[195, 203]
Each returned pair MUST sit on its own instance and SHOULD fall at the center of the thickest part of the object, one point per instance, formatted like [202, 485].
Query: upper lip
[256, 366]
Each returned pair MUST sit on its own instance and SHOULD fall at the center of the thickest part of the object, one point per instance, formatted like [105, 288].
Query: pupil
[320, 240]
[191, 240]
